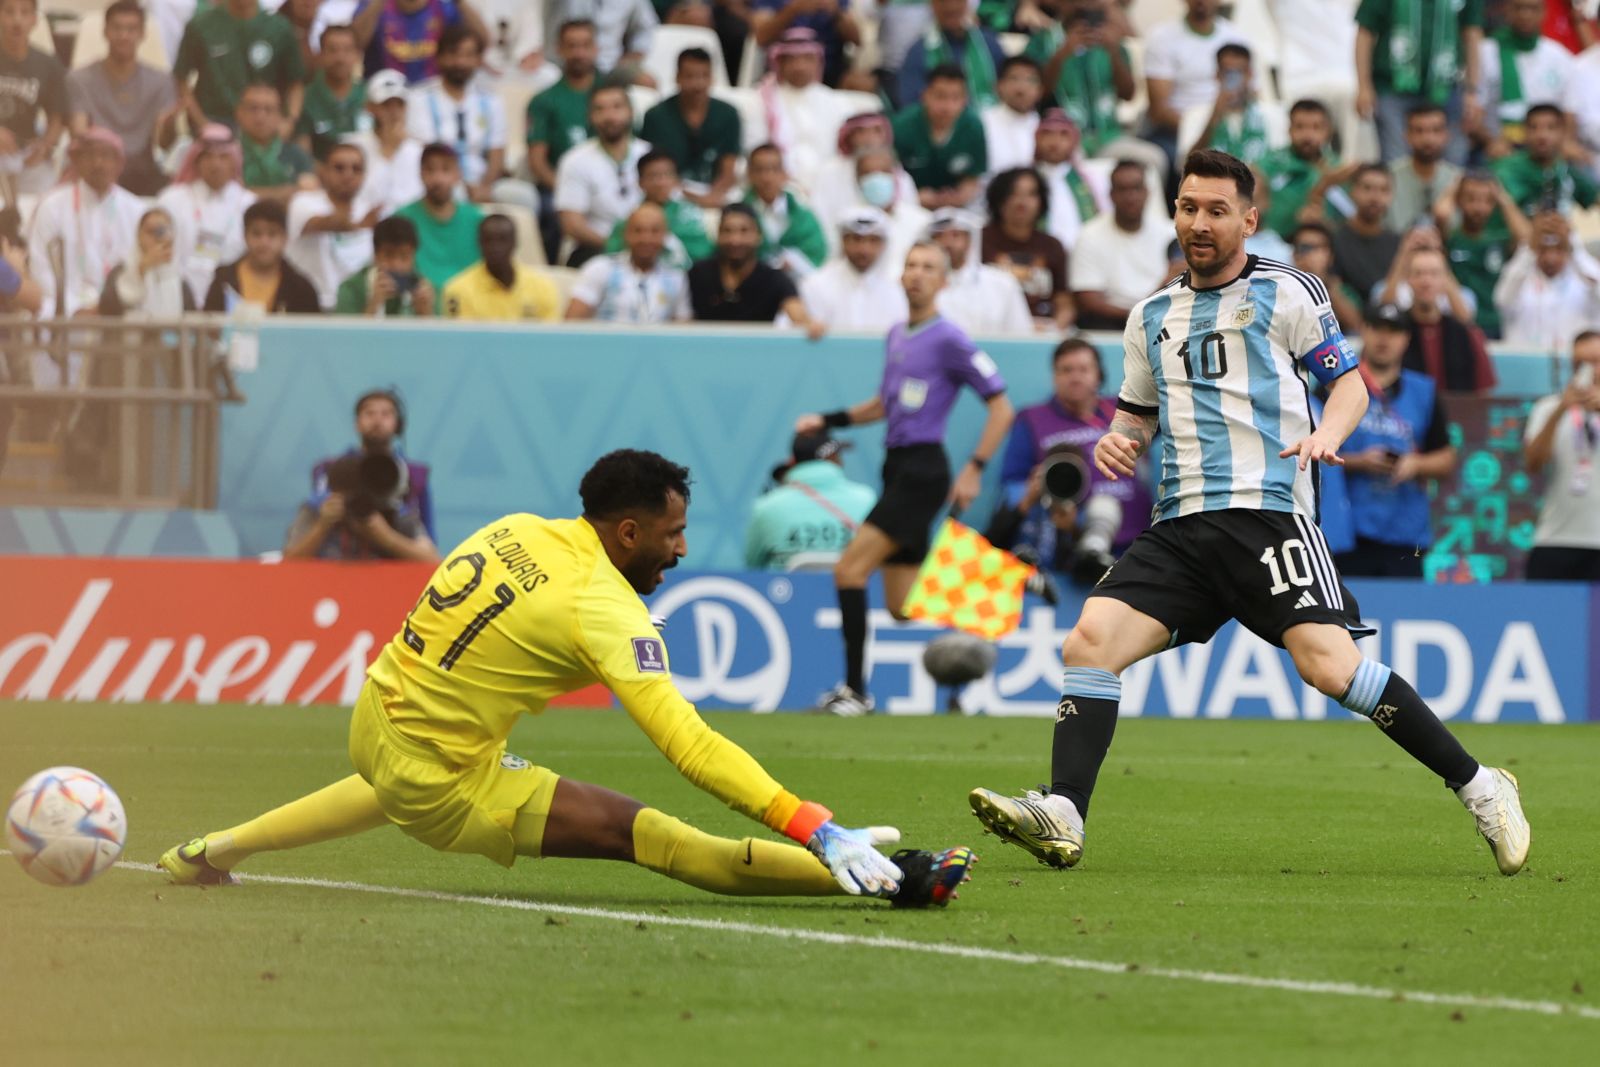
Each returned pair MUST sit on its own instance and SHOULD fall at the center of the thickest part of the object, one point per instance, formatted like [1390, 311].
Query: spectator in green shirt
[955, 40]
[389, 286]
[941, 142]
[273, 166]
[791, 237]
[1537, 176]
[558, 119]
[230, 46]
[1489, 228]
[1303, 171]
[447, 228]
[700, 133]
[1410, 52]
[687, 239]
[335, 98]
[1087, 69]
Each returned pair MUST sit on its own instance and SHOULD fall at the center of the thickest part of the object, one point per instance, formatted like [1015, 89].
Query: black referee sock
[1085, 720]
[1388, 700]
[853, 626]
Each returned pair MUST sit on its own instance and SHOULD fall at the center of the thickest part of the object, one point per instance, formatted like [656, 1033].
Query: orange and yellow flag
[968, 584]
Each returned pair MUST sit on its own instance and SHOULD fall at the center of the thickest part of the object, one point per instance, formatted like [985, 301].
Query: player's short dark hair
[1023, 62]
[1212, 163]
[1585, 335]
[1005, 183]
[574, 24]
[1372, 168]
[270, 211]
[452, 36]
[693, 55]
[947, 72]
[610, 87]
[396, 231]
[631, 479]
[1129, 164]
[346, 28]
[1315, 226]
[438, 150]
[1316, 107]
[737, 209]
[1427, 107]
[1233, 48]
[760, 148]
[1544, 109]
[656, 155]
[1078, 344]
[120, 7]
[497, 219]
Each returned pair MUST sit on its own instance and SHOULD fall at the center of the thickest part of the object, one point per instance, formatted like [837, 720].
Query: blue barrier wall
[1501, 653]
[509, 418]
[111, 532]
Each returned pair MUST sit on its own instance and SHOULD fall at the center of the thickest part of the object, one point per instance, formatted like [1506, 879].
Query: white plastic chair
[564, 279]
[661, 62]
[752, 115]
[643, 98]
[514, 99]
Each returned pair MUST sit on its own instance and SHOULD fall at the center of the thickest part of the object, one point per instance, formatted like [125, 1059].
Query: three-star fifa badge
[1065, 708]
[1244, 315]
[1384, 714]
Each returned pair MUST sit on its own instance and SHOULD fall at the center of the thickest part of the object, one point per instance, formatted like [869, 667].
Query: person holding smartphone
[1561, 441]
[149, 284]
[389, 286]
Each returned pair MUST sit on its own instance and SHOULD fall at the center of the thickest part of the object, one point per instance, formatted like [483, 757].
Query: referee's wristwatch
[979, 463]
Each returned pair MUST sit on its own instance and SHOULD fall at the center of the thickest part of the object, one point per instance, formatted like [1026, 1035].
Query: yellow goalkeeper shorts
[452, 809]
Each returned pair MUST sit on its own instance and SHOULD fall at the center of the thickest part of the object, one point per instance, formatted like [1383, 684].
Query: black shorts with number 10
[1268, 569]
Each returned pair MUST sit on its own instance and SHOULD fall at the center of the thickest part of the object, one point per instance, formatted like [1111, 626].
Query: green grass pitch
[1308, 852]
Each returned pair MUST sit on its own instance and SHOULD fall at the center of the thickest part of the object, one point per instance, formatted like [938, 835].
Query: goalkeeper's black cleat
[930, 879]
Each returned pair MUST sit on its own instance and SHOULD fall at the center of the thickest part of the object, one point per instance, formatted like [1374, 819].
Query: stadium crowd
[1434, 163]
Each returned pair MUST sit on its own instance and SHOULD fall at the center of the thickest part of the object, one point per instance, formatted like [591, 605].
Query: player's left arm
[1313, 337]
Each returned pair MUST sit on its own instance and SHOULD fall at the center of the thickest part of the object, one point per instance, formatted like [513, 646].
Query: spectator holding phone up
[390, 286]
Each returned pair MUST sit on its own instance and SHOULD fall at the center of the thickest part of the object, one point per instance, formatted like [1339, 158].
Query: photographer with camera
[371, 502]
[389, 286]
[1059, 511]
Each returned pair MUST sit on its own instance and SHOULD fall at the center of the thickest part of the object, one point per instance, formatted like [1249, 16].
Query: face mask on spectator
[877, 189]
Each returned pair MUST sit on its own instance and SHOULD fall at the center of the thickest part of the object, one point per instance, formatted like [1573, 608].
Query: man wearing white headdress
[859, 289]
[984, 301]
[803, 115]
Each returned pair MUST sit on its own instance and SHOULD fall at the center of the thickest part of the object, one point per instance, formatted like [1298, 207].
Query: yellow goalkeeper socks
[346, 807]
[720, 865]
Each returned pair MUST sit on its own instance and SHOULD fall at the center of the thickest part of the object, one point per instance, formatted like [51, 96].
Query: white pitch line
[934, 948]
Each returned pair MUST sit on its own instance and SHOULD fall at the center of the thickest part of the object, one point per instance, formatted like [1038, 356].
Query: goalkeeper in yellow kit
[526, 609]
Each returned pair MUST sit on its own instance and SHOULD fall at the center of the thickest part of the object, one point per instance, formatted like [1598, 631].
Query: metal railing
[111, 412]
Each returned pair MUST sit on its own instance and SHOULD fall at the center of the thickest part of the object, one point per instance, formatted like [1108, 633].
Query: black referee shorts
[916, 487]
[1268, 569]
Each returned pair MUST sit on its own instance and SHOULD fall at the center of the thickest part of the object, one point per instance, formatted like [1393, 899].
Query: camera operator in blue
[370, 502]
[1076, 415]
[1401, 444]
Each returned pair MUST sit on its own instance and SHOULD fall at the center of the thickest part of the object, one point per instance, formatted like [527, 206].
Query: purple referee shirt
[925, 368]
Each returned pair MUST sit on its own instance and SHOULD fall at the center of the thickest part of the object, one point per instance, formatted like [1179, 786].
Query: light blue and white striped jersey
[1225, 369]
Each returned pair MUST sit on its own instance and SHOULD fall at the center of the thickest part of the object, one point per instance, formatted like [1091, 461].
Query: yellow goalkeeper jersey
[529, 608]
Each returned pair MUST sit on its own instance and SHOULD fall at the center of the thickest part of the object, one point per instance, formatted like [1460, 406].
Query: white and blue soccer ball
[66, 826]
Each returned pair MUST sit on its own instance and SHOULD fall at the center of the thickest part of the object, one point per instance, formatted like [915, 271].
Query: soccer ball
[65, 826]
